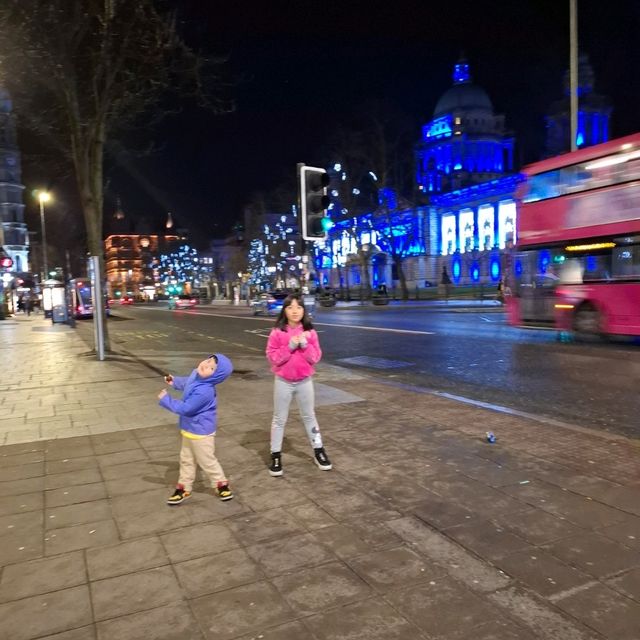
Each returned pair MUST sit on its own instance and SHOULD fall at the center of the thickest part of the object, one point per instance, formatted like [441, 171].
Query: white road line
[387, 329]
[317, 324]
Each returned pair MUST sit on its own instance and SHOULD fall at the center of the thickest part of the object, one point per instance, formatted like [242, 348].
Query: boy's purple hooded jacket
[197, 409]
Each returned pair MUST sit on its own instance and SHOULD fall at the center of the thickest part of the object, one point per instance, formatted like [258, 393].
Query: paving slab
[604, 610]
[628, 584]
[594, 554]
[370, 619]
[330, 585]
[440, 605]
[35, 577]
[231, 613]
[125, 557]
[133, 592]
[40, 615]
[172, 621]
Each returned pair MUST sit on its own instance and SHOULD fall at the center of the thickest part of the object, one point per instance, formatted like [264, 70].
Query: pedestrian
[445, 281]
[20, 304]
[28, 306]
[292, 350]
[198, 422]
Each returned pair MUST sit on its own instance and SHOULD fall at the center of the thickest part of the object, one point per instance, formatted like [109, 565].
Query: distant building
[465, 143]
[132, 253]
[465, 168]
[594, 114]
[465, 213]
[13, 230]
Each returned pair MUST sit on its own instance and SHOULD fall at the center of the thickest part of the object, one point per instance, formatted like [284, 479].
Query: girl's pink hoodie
[295, 365]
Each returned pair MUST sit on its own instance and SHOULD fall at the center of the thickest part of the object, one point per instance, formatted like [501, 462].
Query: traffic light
[312, 184]
[6, 262]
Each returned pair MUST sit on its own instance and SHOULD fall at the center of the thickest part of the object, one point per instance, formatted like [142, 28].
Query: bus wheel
[587, 324]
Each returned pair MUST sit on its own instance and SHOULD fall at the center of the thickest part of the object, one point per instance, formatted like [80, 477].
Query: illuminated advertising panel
[466, 230]
[506, 222]
[486, 232]
[448, 234]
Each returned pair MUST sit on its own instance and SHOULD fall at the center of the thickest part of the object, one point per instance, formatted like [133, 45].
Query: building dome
[463, 96]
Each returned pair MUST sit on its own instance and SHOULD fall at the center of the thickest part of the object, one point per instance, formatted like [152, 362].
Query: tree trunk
[89, 171]
[365, 278]
[404, 291]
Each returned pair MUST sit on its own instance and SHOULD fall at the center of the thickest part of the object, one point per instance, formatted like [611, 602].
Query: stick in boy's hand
[168, 379]
[162, 394]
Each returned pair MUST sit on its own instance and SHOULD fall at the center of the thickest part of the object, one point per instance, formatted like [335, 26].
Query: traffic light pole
[305, 262]
[303, 242]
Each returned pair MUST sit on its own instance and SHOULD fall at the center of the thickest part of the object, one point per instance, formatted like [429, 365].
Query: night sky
[303, 68]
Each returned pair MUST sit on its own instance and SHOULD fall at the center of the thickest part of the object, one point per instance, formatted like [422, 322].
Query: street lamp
[44, 196]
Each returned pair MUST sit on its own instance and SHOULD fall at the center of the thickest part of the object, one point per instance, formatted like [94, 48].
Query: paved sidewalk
[422, 530]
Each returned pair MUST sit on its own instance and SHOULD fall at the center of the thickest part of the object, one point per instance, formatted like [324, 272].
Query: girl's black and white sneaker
[321, 458]
[275, 469]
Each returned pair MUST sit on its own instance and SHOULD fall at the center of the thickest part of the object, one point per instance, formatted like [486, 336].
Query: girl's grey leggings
[283, 393]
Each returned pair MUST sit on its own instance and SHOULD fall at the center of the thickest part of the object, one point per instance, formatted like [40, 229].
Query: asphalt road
[473, 354]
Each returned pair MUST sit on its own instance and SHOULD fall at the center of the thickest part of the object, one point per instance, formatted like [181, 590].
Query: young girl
[292, 350]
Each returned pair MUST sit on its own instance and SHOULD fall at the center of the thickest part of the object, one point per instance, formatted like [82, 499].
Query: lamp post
[573, 72]
[44, 196]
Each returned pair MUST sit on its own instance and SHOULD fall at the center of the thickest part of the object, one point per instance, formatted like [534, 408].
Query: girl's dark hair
[281, 320]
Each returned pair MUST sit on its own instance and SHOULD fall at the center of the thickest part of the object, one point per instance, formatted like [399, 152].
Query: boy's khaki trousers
[200, 452]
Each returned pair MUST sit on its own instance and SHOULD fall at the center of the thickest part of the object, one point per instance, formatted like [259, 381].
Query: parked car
[268, 303]
[182, 302]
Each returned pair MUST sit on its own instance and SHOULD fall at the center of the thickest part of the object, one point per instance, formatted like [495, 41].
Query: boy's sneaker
[322, 459]
[179, 495]
[275, 469]
[223, 491]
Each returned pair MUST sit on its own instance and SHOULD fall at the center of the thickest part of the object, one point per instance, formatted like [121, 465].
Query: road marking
[376, 363]
[259, 332]
[485, 319]
[318, 324]
[365, 328]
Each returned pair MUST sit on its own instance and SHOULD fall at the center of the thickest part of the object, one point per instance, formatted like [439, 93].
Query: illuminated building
[465, 216]
[13, 230]
[465, 143]
[465, 179]
[594, 113]
[132, 257]
[465, 168]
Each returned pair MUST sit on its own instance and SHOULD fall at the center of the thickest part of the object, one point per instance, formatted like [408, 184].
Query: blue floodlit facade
[466, 181]
[594, 114]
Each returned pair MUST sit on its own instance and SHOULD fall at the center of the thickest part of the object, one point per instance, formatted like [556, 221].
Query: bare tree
[84, 71]
[375, 156]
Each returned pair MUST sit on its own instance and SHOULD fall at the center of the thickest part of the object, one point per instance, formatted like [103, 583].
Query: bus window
[626, 262]
[603, 172]
[543, 186]
[571, 271]
[596, 268]
[85, 295]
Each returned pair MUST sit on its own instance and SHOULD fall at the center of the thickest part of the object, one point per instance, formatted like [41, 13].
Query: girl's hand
[162, 394]
[169, 379]
[306, 335]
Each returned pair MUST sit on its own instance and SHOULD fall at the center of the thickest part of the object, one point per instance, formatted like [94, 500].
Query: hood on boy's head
[214, 369]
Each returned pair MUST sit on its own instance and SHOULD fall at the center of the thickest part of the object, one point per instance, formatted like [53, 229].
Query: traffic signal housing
[313, 182]
[6, 262]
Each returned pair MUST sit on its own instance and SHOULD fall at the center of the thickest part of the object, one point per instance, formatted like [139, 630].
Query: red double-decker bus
[577, 261]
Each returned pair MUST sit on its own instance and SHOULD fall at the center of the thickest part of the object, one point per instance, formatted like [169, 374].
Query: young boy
[197, 411]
